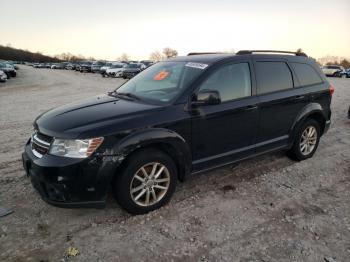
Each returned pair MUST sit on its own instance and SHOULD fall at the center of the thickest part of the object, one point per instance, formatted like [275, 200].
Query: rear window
[306, 74]
[273, 76]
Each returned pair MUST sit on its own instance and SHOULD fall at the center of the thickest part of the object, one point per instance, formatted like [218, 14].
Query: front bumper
[68, 182]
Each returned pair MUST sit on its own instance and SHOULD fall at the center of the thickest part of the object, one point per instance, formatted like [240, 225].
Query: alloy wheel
[150, 184]
[308, 140]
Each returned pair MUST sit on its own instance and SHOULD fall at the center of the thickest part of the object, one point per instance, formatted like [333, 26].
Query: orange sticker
[161, 75]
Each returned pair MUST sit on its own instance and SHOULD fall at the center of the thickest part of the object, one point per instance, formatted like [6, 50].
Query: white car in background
[333, 70]
[116, 70]
[3, 76]
[108, 65]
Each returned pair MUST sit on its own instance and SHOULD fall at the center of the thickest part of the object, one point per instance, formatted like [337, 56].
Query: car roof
[205, 58]
[213, 58]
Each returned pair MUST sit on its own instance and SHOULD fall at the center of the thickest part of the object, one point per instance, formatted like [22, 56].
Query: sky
[105, 29]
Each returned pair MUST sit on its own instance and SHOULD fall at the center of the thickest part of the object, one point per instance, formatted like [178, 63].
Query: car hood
[98, 116]
[115, 69]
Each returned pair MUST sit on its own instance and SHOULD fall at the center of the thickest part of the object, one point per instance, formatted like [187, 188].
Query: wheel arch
[167, 141]
[311, 111]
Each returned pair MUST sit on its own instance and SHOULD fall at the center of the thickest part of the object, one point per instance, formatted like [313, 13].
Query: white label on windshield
[197, 65]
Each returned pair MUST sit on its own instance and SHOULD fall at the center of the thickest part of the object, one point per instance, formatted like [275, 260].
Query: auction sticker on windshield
[197, 65]
[161, 75]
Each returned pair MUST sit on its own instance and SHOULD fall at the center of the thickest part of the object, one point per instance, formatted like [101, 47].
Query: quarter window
[273, 76]
[231, 81]
[306, 74]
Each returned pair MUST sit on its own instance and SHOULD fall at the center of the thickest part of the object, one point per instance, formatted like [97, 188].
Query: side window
[273, 76]
[231, 81]
[307, 75]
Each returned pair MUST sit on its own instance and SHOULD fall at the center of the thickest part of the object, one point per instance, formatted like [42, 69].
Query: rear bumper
[327, 126]
[65, 182]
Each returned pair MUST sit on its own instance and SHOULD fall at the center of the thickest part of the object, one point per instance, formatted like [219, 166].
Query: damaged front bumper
[69, 182]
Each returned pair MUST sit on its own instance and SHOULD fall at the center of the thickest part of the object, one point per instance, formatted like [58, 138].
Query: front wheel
[147, 181]
[306, 140]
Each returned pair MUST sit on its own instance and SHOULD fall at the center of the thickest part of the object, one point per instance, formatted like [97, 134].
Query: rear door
[279, 102]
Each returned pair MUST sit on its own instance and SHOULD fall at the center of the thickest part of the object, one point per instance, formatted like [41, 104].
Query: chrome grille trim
[41, 144]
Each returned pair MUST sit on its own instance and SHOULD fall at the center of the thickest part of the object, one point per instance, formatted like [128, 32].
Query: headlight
[75, 148]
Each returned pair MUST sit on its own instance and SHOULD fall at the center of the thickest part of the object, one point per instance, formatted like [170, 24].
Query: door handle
[299, 97]
[251, 107]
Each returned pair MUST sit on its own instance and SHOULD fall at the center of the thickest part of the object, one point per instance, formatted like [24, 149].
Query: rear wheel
[146, 183]
[306, 140]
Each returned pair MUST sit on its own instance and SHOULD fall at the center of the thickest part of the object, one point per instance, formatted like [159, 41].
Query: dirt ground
[266, 209]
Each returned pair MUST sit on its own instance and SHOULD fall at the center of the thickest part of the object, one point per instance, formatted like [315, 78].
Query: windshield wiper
[124, 94]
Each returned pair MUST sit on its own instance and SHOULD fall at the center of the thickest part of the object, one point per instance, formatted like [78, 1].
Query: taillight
[331, 89]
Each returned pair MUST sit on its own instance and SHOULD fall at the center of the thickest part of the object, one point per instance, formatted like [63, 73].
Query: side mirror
[207, 97]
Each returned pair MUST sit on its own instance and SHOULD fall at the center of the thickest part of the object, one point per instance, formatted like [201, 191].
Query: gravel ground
[266, 209]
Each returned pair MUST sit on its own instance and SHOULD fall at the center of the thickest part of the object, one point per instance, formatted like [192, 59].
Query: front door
[225, 132]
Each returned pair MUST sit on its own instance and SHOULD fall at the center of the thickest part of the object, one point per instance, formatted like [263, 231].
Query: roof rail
[249, 52]
[203, 53]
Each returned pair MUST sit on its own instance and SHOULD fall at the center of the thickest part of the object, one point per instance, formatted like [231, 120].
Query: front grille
[40, 144]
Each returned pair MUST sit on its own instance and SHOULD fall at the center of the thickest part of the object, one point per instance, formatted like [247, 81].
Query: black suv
[181, 116]
[132, 70]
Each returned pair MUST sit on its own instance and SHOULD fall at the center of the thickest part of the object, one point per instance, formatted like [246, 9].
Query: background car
[333, 70]
[147, 63]
[104, 68]
[3, 76]
[115, 70]
[96, 66]
[9, 70]
[85, 67]
[347, 73]
[77, 66]
[69, 66]
[57, 66]
[132, 70]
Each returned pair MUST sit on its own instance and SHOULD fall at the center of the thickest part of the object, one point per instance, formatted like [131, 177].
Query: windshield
[161, 82]
[117, 66]
[133, 66]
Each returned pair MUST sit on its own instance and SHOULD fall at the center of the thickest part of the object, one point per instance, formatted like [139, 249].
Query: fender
[171, 140]
[310, 109]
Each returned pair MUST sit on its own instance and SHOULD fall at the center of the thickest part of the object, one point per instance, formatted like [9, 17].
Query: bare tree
[124, 57]
[169, 52]
[156, 56]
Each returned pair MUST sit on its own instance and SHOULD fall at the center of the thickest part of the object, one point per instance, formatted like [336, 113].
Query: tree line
[14, 54]
[344, 63]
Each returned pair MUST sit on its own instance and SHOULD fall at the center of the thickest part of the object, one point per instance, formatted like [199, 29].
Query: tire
[125, 182]
[299, 150]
